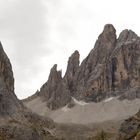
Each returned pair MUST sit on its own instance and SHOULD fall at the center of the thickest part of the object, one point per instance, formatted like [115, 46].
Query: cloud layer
[23, 31]
[39, 33]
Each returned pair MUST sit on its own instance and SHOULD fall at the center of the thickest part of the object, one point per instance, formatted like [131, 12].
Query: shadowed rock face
[9, 103]
[112, 68]
[55, 91]
[73, 66]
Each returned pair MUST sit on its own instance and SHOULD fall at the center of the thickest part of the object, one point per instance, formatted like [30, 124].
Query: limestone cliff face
[112, 68]
[89, 77]
[52, 84]
[55, 91]
[124, 62]
[72, 68]
[9, 103]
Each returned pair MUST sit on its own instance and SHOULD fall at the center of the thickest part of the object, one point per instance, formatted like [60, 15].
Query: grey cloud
[25, 22]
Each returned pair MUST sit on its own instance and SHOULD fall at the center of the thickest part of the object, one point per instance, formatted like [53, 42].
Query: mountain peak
[109, 28]
[54, 67]
[73, 63]
[127, 35]
[108, 34]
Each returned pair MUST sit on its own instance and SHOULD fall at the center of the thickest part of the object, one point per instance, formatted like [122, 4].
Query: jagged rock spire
[53, 81]
[127, 35]
[98, 56]
[73, 63]
[9, 103]
[72, 68]
[55, 91]
[55, 76]
[103, 47]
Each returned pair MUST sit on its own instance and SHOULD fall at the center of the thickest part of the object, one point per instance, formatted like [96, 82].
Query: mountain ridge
[112, 68]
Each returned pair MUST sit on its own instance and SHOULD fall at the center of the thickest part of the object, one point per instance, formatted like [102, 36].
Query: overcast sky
[36, 34]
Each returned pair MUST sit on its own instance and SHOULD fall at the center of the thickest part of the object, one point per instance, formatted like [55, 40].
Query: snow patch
[82, 103]
[108, 99]
[65, 108]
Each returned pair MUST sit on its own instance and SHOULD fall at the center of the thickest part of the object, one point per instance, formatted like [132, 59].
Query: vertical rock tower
[9, 104]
